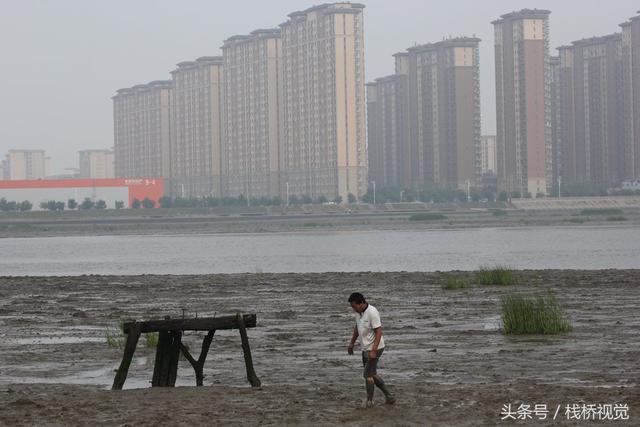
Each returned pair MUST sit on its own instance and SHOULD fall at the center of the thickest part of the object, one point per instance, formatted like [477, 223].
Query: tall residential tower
[523, 102]
[142, 130]
[252, 93]
[196, 131]
[324, 150]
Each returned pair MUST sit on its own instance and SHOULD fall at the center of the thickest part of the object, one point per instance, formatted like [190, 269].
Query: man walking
[369, 328]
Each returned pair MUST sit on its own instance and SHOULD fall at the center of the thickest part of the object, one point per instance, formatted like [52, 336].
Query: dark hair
[356, 297]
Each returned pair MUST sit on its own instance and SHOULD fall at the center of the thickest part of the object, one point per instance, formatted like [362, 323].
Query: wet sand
[446, 359]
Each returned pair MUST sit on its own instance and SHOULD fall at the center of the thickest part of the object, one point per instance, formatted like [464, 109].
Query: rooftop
[524, 14]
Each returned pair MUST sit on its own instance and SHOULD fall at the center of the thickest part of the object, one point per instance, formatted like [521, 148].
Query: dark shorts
[370, 365]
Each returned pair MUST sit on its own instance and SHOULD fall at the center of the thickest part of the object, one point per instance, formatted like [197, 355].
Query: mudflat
[446, 359]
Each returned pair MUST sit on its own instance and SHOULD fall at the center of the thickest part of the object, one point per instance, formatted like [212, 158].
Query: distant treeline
[55, 205]
[209, 202]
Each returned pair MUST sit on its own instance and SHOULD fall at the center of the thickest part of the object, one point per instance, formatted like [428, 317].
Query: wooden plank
[174, 357]
[248, 361]
[129, 349]
[157, 379]
[199, 324]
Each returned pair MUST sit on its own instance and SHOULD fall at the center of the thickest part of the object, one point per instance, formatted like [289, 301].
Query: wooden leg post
[165, 369]
[129, 349]
[198, 365]
[160, 363]
[174, 357]
[248, 361]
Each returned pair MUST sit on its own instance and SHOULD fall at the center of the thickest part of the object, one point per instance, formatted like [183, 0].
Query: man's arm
[354, 337]
[376, 342]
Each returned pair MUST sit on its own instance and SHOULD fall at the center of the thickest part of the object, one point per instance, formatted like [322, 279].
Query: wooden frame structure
[170, 345]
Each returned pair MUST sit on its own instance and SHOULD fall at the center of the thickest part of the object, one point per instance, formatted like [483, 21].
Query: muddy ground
[446, 359]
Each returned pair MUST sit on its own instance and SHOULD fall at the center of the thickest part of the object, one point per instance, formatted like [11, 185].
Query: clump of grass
[499, 212]
[576, 220]
[529, 315]
[498, 275]
[616, 218]
[453, 282]
[426, 216]
[151, 339]
[115, 337]
[601, 211]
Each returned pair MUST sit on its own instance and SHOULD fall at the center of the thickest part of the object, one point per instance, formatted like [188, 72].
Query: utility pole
[559, 186]
[468, 191]
[287, 184]
[401, 194]
[374, 191]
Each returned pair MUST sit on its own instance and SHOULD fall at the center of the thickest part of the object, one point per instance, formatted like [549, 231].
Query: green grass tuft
[151, 339]
[529, 315]
[616, 218]
[498, 212]
[601, 211]
[115, 337]
[498, 275]
[453, 282]
[426, 216]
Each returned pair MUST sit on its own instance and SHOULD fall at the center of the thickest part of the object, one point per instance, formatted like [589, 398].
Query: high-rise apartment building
[324, 150]
[631, 91]
[388, 132]
[591, 122]
[557, 143]
[488, 157]
[424, 121]
[26, 165]
[444, 113]
[97, 164]
[3, 168]
[196, 128]
[252, 132]
[523, 104]
[142, 130]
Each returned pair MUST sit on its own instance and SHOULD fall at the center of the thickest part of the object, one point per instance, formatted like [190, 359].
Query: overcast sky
[62, 60]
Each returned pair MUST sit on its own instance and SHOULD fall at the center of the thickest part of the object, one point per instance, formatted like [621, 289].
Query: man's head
[357, 301]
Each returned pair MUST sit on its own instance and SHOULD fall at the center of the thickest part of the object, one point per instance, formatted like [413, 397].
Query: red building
[109, 190]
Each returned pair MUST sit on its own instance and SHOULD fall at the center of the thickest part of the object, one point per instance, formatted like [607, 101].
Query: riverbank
[329, 218]
[446, 359]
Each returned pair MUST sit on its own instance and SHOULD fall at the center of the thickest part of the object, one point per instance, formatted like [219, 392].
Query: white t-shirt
[366, 323]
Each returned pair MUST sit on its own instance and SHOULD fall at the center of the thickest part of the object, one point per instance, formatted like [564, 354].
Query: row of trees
[72, 204]
[210, 202]
[13, 206]
[54, 205]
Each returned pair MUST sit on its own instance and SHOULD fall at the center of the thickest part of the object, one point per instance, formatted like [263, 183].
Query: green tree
[101, 204]
[72, 204]
[87, 203]
[147, 203]
[52, 205]
[337, 200]
[165, 202]
[59, 206]
[119, 204]
[135, 204]
[25, 206]
[321, 199]
[306, 199]
[351, 198]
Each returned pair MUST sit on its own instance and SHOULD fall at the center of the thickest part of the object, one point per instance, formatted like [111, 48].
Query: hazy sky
[62, 60]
